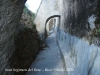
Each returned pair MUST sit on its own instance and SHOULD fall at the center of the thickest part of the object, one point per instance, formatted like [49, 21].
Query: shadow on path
[48, 60]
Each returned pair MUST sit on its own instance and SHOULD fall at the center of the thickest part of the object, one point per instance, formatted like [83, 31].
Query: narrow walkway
[48, 61]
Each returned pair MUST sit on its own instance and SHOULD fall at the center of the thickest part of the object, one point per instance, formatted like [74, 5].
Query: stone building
[78, 43]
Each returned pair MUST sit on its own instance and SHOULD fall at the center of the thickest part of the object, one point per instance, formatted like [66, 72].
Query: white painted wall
[77, 53]
[48, 8]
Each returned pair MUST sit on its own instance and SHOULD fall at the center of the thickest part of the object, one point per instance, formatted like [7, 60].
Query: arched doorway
[51, 24]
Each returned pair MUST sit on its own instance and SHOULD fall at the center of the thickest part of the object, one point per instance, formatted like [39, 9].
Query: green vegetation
[28, 16]
[98, 31]
[28, 12]
[97, 22]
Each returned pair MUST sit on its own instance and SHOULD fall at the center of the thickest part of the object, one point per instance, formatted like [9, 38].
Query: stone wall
[80, 17]
[77, 34]
[10, 13]
[47, 9]
[51, 23]
[78, 54]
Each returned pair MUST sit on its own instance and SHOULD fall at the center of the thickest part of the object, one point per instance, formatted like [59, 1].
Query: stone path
[48, 61]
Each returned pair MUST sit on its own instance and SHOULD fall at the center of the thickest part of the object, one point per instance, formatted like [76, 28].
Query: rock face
[77, 32]
[26, 48]
[18, 42]
[10, 13]
[26, 43]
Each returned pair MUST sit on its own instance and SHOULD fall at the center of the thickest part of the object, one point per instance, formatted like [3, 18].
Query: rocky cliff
[18, 37]
[10, 13]
[26, 43]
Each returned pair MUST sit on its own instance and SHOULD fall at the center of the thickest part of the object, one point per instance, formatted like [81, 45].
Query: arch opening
[51, 25]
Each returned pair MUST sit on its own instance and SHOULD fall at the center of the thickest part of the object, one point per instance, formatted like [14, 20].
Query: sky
[33, 5]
